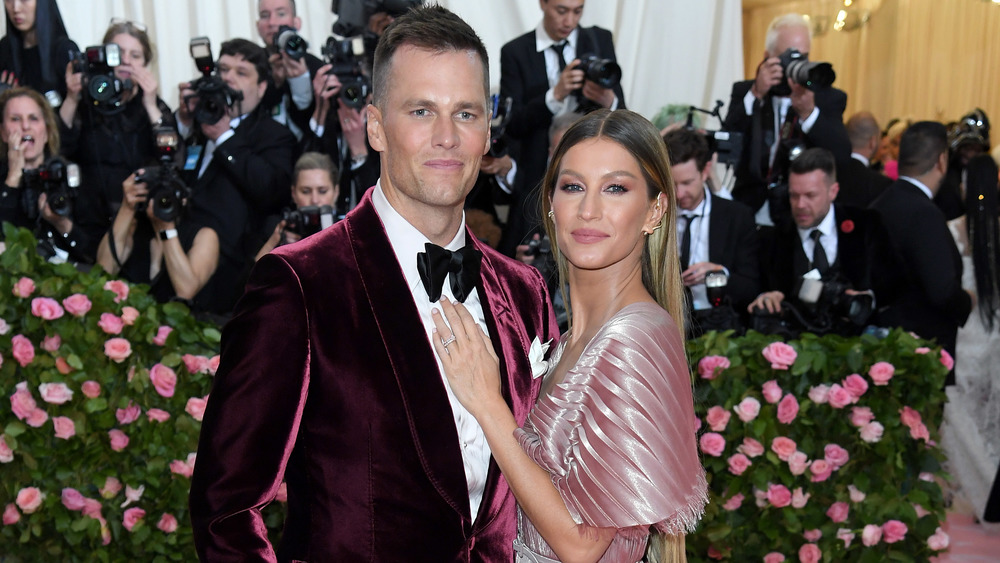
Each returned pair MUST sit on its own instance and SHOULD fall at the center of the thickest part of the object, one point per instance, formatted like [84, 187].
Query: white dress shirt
[699, 244]
[923, 187]
[542, 44]
[406, 242]
[828, 238]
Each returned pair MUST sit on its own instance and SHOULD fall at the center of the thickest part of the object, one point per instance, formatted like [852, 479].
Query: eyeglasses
[122, 21]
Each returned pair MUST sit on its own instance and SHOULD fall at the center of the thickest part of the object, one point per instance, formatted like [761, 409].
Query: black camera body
[498, 124]
[102, 90]
[347, 58]
[287, 39]
[832, 299]
[796, 66]
[58, 179]
[308, 220]
[353, 15]
[213, 94]
[168, 194]
[604, 72]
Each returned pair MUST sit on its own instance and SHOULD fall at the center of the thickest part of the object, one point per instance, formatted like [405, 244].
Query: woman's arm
[123, 227]
[472, 370]
[189, 272]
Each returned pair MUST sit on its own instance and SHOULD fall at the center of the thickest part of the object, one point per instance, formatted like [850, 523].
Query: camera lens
[102, 88]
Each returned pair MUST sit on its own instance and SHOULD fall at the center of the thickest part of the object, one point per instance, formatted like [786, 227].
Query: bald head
[864, 133]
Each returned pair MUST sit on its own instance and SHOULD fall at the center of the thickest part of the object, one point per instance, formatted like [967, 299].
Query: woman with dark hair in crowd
[36, 50]
[109, 142]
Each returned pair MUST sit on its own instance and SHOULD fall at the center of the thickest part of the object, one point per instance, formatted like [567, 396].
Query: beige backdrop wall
[928, 59]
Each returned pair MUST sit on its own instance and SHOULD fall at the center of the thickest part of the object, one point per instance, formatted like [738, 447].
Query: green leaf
[212, 335]
[15, 429]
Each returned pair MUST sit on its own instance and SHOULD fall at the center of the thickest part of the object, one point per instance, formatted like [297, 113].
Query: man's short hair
[815, 159]
[431, 28]
[562, 122]
[861, 127]
[686, 144]
[251, 52]
[920, 147]
[315, 161]
[780, 22]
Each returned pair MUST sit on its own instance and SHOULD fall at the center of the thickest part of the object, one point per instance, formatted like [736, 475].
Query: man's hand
[15, 159]
[695, 274]
[570, 79]
[74, 82]
[278, 72]
[61, 223]
[603, 96]
[521, 252]
[293, 68]
[769, 73]
[134, 193]
[353, 124]
[496, 165]
[185, 107]
[8, 78]
[147, 83]
[803, 100]
[769, 301]
[215, 130]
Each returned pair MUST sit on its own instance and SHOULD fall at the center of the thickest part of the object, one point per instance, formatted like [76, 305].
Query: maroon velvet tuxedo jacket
[328, 382]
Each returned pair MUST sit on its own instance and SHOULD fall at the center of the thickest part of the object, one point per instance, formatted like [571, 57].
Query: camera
[347, 57]
[58, 179]
[604, 72]
[353, 15]
[102, 90]
[796, 66]
[498, 124]
[308, 220]
[213, 94]
[830, 298]
[715, 287]
[167, 192]
[287, 39]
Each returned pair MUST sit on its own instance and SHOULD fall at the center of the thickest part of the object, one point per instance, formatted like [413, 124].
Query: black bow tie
[436, 263]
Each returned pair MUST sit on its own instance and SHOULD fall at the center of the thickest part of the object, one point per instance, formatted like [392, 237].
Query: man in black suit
[540, 71]
[716, 234]
[772, 118]
[239, 167]
[859, 184]
[932, 302]
[826, 243]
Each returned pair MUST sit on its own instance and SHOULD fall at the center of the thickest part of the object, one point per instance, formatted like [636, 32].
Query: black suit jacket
[758, 134]
[931, 302]
[859, 185]
[524, 80]
[733, 243]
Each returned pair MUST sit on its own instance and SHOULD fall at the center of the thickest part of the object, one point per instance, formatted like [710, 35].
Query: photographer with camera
[827, 271]
[789, 105]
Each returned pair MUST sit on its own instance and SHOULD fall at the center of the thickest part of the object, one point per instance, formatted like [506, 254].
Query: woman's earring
[552, 215]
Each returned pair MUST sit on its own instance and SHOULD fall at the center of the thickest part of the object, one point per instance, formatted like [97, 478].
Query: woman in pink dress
[608, 454]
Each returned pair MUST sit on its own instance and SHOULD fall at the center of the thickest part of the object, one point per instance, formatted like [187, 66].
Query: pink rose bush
[22, 350]
[24, 288]
[748, 409]
[778, 495]
[167, 523]
[881, 373]
[129, 315]
[784, 447]
[51, 344]
[196, 407]
[46, 308]
[132, 517]
[717, 418]
[739, 463]
[164, 380]
[117, 349]
[111, 324]
[91, 389]
[29, 499]
[64, 427]
[77, 304]
[771, 391]
[788, 409]
[781, 355]
[119, 440]
[838, 512]
[893, 531]
[710, 366]
[55, 393]
[119, 288]
[161, 335]
[712, 444]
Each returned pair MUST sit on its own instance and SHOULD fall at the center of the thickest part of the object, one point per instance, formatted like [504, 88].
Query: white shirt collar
[543, 41]
[927, 191]
[704, 208]
[861, 158]
[827, 227]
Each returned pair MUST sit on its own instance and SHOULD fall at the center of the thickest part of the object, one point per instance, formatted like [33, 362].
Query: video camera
[58, 179]
[308, 220]
[287, 39]
[796, 66]
[348, 59]
[167, 192]
[213, 94]
[102, 90]
[727, 145]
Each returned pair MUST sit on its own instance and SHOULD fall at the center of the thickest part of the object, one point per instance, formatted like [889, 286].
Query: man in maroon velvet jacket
[328, 379]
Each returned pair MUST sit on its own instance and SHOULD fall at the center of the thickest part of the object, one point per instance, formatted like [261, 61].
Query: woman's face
[21, 13]
[24, 122]
[601, 206]
[314, 187]
[131, 54]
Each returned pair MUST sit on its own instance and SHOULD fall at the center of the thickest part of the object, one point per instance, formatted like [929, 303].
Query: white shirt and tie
[544, 44]
[828, 238]
[698, 252]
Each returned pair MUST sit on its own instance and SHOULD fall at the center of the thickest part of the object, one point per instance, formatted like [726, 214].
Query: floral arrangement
[819, 449]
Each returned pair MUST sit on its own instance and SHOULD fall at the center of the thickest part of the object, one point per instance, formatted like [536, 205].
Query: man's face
[432, 129]
[240, 74]
[791, 37]
[271, 15]
[690, 184]
[810, 195]
[560, 17]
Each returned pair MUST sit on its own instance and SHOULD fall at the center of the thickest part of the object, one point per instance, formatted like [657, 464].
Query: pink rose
[861, 416]
[871, 535]
[946, 360]
[748, 409]
[119, 288]
[937, 542]
[717, 418]
[111, 487]
[6, 454]
[881, 373]
[856, 494]
[845, 535]
[800, 499]
[46, 308]
[714, 553]
[784, 447]
[855, 385]
[132, 517]
[819, 394]
[21, 402]
[774, 557]
[119, 440]
[12, 516]
[51, 344]
[129, 315]
[161, 335]
[760, 498]
[72, 499]
[909, 417]
[788, 409]
[839, 397]
[164, 380]
[181, 468]
[77, 304]
[921, 511]
[65, 429]
[734, 503]
[836, 456]
[157, 415]
[29, 499]
[4, 327]
[23, 288]
[196, 407]
[812, 535]
[92, 508]
[771, 391]
[129, 414]
[893, 531]
[117, 349]
[872, 432]
[22, 350]
[37, 418]
[712, 444]
[798, 462]
[922, 350]
[195, 364]
[738, 463]
[167, 523]
[838, 511]
[820, 470]
[111, 324]
[62, 366]
[133, 495]
[213, 364]
[780, 355]
[919, 432]
[751, 447]
[710, 366]
[91, 389]
[809, 553]
[55, 393]
[779, 495]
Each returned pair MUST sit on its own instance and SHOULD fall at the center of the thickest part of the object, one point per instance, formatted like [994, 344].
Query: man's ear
[261, 88]
[297, 23]
[376, 135]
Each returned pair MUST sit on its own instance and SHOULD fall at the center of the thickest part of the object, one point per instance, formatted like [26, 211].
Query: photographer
[35, 50]
[114, 137]
[314, 194]
[176, 258]
[831, 263]
[776, 113]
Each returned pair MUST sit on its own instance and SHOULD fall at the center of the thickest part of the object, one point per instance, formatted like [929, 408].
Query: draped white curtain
[671, 51]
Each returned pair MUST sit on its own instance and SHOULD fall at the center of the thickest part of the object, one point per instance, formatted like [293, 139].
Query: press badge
[193, 154]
